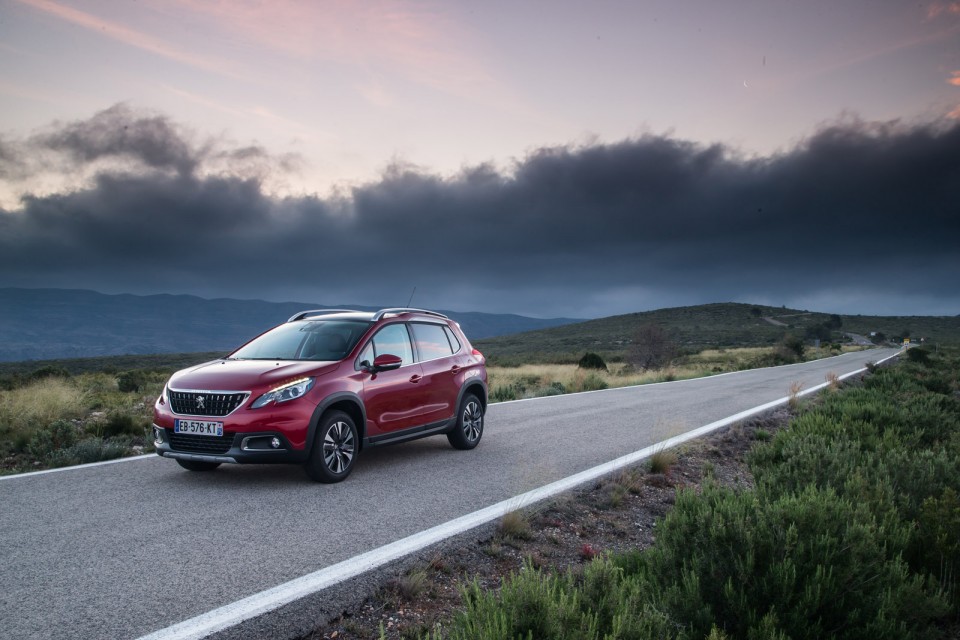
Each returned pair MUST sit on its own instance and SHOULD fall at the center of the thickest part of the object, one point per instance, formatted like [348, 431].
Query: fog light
[157, 436]
[275, 443]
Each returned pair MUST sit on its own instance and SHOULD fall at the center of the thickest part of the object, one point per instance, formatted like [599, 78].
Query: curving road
[123, 550]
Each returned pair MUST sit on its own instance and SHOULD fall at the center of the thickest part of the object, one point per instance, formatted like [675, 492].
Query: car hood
[246, 375]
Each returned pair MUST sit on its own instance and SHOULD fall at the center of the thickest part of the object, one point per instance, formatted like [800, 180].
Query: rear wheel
[197, 465]
[334, 450]
[469, 428]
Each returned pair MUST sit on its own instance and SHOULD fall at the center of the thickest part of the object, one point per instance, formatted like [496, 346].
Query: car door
[394, 400]
[439, 366]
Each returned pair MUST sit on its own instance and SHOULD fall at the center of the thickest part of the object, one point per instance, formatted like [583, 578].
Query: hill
[706, 326]
[44, 324]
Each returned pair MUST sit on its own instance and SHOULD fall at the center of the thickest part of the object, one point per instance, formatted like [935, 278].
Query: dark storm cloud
[121, 133]
[124, 140]
[859, 214]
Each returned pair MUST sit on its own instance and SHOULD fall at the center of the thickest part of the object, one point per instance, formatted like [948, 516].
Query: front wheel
[197, 465]
[469, 428]
[334, 449]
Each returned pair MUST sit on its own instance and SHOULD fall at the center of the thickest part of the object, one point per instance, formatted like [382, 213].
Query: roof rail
[319, 312]
[383, 312]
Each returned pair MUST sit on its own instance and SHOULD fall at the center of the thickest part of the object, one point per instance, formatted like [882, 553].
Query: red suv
[321, 387]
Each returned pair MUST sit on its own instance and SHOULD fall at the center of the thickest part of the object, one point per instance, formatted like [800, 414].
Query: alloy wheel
[338, 447]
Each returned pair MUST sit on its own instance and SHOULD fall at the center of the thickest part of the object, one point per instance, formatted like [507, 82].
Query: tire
[335, 448]
[197, 465]
[467, 432]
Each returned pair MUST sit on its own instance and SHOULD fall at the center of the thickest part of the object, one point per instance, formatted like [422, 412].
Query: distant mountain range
[45, 324]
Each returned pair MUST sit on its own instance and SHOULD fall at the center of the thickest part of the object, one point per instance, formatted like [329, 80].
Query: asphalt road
[122, 550]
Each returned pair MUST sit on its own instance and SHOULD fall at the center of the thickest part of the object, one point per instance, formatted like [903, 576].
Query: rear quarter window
[432, 341]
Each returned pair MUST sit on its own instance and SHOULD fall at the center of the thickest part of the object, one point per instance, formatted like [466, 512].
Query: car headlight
[283, 393]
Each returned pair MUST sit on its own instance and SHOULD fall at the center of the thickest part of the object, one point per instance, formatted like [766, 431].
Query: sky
[558, 158]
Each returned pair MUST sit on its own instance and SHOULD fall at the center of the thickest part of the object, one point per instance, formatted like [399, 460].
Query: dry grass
[794, 398]
[662, 461]
[40, 404]
[536, 380]
[515, 526]
[834, 381]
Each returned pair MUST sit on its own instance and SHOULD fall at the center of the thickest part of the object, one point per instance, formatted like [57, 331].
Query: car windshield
[305, 340]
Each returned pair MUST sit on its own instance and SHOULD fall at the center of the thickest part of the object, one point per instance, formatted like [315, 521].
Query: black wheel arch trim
[326, 404]
[471, 387]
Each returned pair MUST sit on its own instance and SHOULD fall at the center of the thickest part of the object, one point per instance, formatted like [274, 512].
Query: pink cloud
[937, 9]
[417, 41]
[126, 35]
[955, 80]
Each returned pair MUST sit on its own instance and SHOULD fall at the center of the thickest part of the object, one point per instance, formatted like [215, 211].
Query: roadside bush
[588, 382]
[46, 441]
[793, 346]
[552, 389]
[121, 424]
[805, 565]
[533, 604]
[131, 381]
[87, 451]
[503, 394]
[592, 361]
[938, 540]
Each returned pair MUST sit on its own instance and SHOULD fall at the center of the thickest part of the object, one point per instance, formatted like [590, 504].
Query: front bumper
[263, 447]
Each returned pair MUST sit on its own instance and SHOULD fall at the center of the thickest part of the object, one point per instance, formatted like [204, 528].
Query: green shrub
[87, 451]
[938, 540]
[807, 565]
[590, 382]
[49, 371]
[504, 393]
[592, 361]
[793, 345]
[536, 605]
[61, 434]
[553, 389]
[121, 424]
[131, 381]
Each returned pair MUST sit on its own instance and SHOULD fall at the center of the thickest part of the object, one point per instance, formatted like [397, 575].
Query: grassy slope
[696, 328]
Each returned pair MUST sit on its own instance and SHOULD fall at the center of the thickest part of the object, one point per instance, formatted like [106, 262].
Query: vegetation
[651, 348]
[852, 531]
[710, 326]
[591, 360]
[51, 417]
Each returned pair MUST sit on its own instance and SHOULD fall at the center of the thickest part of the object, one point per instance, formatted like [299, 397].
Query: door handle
[455, 369]
[415, 378]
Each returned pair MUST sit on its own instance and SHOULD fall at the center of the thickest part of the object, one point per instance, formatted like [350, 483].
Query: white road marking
[76, 467]
[271, 599]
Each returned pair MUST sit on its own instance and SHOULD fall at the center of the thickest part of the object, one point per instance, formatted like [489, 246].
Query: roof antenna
[411, 296]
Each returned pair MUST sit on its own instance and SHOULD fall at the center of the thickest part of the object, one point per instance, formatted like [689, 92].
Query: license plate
[198, 427]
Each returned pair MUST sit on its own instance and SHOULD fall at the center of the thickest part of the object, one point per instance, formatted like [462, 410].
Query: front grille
[200, 444]
[205, 403]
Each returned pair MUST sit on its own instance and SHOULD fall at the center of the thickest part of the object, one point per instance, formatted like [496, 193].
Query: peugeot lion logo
[200, 400]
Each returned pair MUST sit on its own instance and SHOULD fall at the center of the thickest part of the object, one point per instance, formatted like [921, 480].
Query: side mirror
[386, 362]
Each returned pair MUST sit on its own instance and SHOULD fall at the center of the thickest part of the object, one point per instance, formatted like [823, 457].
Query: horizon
[465, 311]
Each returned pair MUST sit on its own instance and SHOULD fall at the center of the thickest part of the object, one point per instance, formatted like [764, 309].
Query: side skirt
[412, 433]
